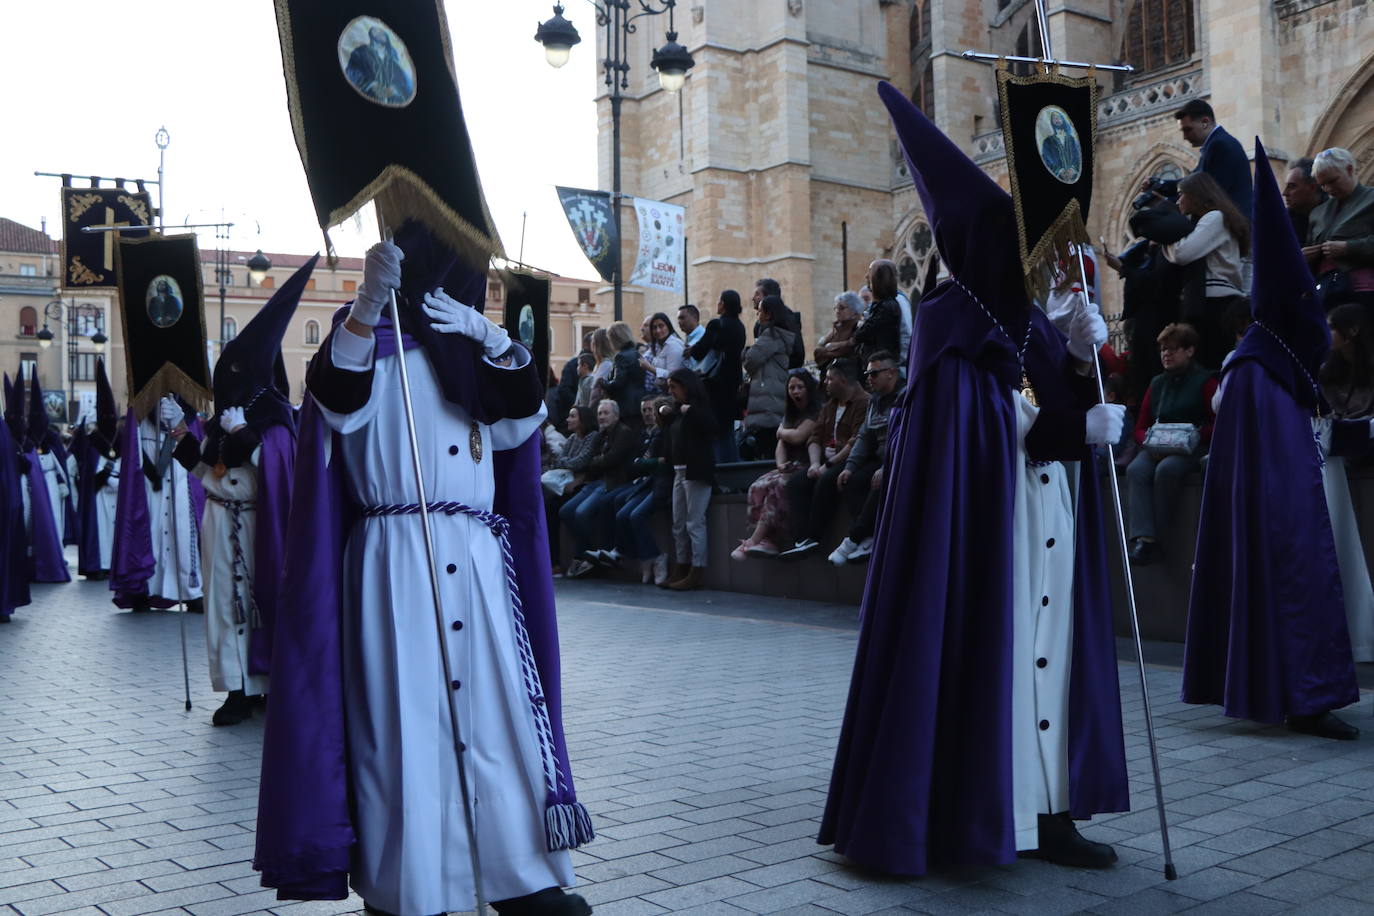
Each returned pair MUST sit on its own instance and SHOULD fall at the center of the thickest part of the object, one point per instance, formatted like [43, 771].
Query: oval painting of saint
[527, 326]
[1059, 147]
[163, 301]
[376, 63]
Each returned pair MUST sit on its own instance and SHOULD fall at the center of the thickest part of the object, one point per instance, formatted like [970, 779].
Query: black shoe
[236, 708]
[1323, 725]
[800, 549]
[374, 911]
[195, 606]
[551, 901]
[141, 608]
[1143, 552]
[1062, 844]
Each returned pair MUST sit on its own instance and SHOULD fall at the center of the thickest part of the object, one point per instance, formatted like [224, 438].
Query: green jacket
[1353, 224]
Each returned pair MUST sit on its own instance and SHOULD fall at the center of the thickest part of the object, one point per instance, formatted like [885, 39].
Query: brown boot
[675, 571]
[695, 578]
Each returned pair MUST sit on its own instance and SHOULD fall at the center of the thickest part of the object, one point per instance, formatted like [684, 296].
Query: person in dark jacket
[625, 383]
[861, 482]
[880, 329]
[590, 514]
[649, 491]
[690, 429]
[565, 395]
[724, 337]
[1220, 154]
[786, 318]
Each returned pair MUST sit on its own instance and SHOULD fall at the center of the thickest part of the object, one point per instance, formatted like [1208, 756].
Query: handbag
[1333, 289]
[556, 480]
[1164, 439]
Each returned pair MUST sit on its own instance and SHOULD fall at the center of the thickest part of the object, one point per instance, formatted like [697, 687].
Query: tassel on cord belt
[565, 825]
[239, 566]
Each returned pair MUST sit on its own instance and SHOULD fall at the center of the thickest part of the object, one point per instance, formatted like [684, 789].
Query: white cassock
[171, 524]
[106, 501]
[412, 852]
[55, 476]
[228, 537]
[1042, 636]
[1355, 583]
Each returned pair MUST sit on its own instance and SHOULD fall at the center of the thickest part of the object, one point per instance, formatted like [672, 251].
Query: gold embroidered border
[1068, 226]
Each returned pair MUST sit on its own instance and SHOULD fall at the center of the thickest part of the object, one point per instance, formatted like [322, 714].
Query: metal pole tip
[1170, 873]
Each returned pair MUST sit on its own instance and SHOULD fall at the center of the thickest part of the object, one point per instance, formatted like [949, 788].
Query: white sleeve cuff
[351, 352]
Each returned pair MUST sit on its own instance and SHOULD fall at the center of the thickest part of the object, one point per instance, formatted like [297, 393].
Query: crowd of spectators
[649, 421]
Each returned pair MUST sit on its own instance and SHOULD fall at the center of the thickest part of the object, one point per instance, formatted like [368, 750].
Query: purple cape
[305, 829]
[923, 772]
[88, 543]
[276, 466]
[132, 562]
[49, 565]
[1267, 634]
[14, 567]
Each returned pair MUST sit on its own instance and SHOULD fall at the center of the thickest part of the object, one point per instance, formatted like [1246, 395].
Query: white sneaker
[863, 551]
[660, 569]
[843, 553]
[646, 571]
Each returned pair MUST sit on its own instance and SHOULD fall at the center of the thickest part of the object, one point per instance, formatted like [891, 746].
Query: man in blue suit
[1221, 154]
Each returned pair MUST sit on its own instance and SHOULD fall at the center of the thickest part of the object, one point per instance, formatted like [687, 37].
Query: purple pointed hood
[106, 414]
[39, 426]
[1290, 336]
[14, 408]
[972, 217]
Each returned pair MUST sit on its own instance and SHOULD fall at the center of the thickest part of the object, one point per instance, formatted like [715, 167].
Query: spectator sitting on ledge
[1182, 393]
[590, 514]
[767, 497]
[861, 481]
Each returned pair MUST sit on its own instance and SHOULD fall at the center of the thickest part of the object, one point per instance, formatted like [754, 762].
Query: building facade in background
[29, 296]
[782, 155]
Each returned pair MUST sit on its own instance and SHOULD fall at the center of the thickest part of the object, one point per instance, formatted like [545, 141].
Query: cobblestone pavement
[702, 728]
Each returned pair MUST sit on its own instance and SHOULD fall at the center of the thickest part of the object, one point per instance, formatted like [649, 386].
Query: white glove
[1104, 423]
[170, 413]
[1371, 429]
[449, 316]
[232, 418]
[381, 274]
[1087, 334]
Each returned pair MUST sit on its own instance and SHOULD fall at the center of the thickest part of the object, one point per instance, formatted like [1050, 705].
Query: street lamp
[258, 266]
[672, 61]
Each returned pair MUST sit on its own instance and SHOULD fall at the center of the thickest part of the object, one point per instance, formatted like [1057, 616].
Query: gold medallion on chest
[1027, 391]
[475, 443]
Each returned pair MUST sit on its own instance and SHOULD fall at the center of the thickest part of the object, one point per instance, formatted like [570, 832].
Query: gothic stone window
[312, 332]
[1159, 35]
[914, 256]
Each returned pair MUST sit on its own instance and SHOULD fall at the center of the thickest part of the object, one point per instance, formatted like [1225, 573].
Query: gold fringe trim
[169, 380]
[1052, 249]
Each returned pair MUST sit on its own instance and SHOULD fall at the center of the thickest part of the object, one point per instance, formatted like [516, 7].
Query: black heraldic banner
[1048, 125]
[88, 258]
[375, 110]
[163, 313]
[527, 314]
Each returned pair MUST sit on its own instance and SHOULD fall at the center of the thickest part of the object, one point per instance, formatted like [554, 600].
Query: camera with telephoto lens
[1153, 186]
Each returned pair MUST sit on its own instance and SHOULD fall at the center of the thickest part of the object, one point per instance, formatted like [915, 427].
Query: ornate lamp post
[672, 61]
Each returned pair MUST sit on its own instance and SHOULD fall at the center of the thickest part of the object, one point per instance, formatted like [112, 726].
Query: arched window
[28, 321]
[918, 29]
[915, 256]
[231, 329]
[312, 332]
[1159, 35]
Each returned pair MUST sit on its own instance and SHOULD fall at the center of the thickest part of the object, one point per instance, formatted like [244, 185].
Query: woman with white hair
[840, 341]
[1340, 235]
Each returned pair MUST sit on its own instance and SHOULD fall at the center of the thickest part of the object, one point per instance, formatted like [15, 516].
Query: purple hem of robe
[131, 561]
[305, 833]
[1267, 634]
[923, 770]
[276, 463]
[49, 565]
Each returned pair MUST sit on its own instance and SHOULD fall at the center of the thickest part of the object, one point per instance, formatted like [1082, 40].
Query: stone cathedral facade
[783, 157]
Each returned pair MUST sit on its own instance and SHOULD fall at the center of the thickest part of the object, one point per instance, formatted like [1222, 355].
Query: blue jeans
[634, 534]
[579, 514]
[1155, 486]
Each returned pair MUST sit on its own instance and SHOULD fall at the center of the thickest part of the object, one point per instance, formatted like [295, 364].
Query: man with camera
[1219, 155]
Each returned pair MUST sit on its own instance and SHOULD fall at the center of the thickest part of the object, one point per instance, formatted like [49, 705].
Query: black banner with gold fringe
[526, 317]
[1049, 122]
[375, 110]
[162, 310]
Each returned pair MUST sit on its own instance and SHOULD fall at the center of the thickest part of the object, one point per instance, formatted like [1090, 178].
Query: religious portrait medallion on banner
[376, 62]
[1060, 149]
[163, 301]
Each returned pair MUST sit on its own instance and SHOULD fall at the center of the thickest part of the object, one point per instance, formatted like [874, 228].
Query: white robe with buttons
[227, 641]
[56, 478]
[1040, 630]
[171, 524]
[412, 853]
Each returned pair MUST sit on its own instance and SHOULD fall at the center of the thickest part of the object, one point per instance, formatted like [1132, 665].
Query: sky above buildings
[91, 81]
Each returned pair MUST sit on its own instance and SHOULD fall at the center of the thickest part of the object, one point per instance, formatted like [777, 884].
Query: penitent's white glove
[381, 274]
[1087, 333]
[170, 413]
[449, 316]
[232, 418]
[1104, 424]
